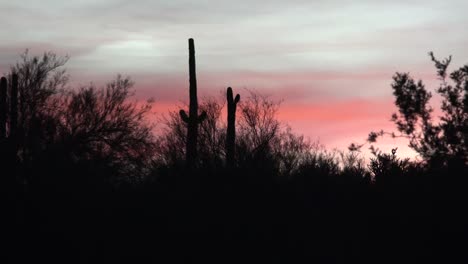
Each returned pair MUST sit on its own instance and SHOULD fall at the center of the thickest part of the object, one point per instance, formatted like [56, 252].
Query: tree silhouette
[34, 84]
[77, 124]
[103, 123]
[436, 141]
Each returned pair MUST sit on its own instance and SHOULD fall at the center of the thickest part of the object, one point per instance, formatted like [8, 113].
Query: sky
[330, 62]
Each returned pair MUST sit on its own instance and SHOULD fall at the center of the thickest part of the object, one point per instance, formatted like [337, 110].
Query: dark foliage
[437, 141]
[90, 183]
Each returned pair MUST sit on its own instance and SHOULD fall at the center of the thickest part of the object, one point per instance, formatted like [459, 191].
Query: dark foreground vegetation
[86, 180]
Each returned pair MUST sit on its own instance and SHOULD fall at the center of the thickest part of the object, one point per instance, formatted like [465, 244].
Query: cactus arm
[237, 98]
[184, 116]
[202, 117]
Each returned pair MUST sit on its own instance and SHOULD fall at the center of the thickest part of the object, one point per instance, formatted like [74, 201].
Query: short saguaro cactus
[231, 127]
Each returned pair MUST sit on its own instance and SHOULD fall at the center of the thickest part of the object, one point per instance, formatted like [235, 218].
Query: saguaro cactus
[14, 105]
[3, 107]
[192, 119]
[231, 126]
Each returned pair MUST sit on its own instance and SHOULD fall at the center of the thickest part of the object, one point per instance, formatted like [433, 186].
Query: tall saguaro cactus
[9, 118]
[192, 119]
[13, 111]
[3, 107]
[231, 126]
[14, 105]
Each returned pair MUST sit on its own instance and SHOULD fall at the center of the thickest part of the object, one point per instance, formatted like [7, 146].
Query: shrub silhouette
[258, 127]
[388, 170]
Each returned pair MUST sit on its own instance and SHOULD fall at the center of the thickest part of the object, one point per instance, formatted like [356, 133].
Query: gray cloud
[150, 36]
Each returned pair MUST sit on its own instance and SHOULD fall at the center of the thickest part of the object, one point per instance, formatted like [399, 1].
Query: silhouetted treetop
[83, 124]
[103, 122]
[435, 140]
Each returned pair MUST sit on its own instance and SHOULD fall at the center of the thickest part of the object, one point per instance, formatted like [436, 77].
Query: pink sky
[330, 61]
